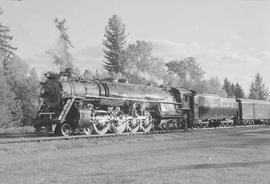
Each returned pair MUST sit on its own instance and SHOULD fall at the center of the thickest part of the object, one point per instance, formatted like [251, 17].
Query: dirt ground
[239, 155]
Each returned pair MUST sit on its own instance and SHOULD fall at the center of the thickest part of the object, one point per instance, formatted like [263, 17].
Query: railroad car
[253, 111]
[213, 111]
[85, 106]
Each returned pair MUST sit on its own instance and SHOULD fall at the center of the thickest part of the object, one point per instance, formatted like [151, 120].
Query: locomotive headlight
[42, 91]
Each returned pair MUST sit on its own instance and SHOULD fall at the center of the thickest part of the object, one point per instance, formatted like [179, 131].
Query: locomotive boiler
[97, 106]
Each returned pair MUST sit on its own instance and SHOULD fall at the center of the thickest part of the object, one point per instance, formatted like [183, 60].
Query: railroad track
[75, 137]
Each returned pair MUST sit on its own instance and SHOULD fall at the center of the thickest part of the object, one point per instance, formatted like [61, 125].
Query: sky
[229, 38]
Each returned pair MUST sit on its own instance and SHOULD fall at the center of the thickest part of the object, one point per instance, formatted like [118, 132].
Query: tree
[19, 86]
[30, 87]
[140, 66]
[24, 83]
[210, 86]
[185, 72]
[195, 71]
[238, 91]
[6, 50]
[228, 87]
[10, 107]
[115, 39]
[178, 67]
[233, 90]
[138, 55]
[61, 55]
[88, 75]
[258, 90]
[186, 69]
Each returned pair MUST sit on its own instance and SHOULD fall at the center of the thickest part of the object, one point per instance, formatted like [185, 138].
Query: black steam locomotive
[97, 106]
[86, 106]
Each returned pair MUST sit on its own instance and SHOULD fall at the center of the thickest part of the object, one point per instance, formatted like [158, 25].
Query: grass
[18, 130]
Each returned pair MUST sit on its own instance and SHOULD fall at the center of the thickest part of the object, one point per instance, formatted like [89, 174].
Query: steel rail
[75, 137]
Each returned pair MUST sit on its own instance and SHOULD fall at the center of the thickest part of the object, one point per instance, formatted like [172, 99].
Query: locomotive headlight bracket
[64, 94]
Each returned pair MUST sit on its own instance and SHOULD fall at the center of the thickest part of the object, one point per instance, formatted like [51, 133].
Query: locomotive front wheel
[119, 125]
[65, 129]
[146, 124]
[88, 129]
[133, 125]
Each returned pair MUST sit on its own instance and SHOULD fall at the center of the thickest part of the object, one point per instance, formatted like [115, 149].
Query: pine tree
[238, 91]
[6, 50]
[258, 90]
[115, 39]
[61, 55]
[10, 106]
[227, 86]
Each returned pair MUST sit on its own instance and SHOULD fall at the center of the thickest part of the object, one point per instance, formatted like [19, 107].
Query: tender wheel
[65, 129]
[119, 125]
[171, 125]
[133, 125]
[163, 126]
[146, 124]
[175, 125]
[88, 130]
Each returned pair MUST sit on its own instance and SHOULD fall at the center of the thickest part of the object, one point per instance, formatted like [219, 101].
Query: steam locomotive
[96, 106]
[85, 106]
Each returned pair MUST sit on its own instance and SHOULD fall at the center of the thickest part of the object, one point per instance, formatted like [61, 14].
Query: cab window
[165, 107]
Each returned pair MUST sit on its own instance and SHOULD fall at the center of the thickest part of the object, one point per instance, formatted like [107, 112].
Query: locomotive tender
[86, 106]
[213, 111]
[97, 106]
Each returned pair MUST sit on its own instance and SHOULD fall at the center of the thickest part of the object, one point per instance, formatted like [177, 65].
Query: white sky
[229, 38]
